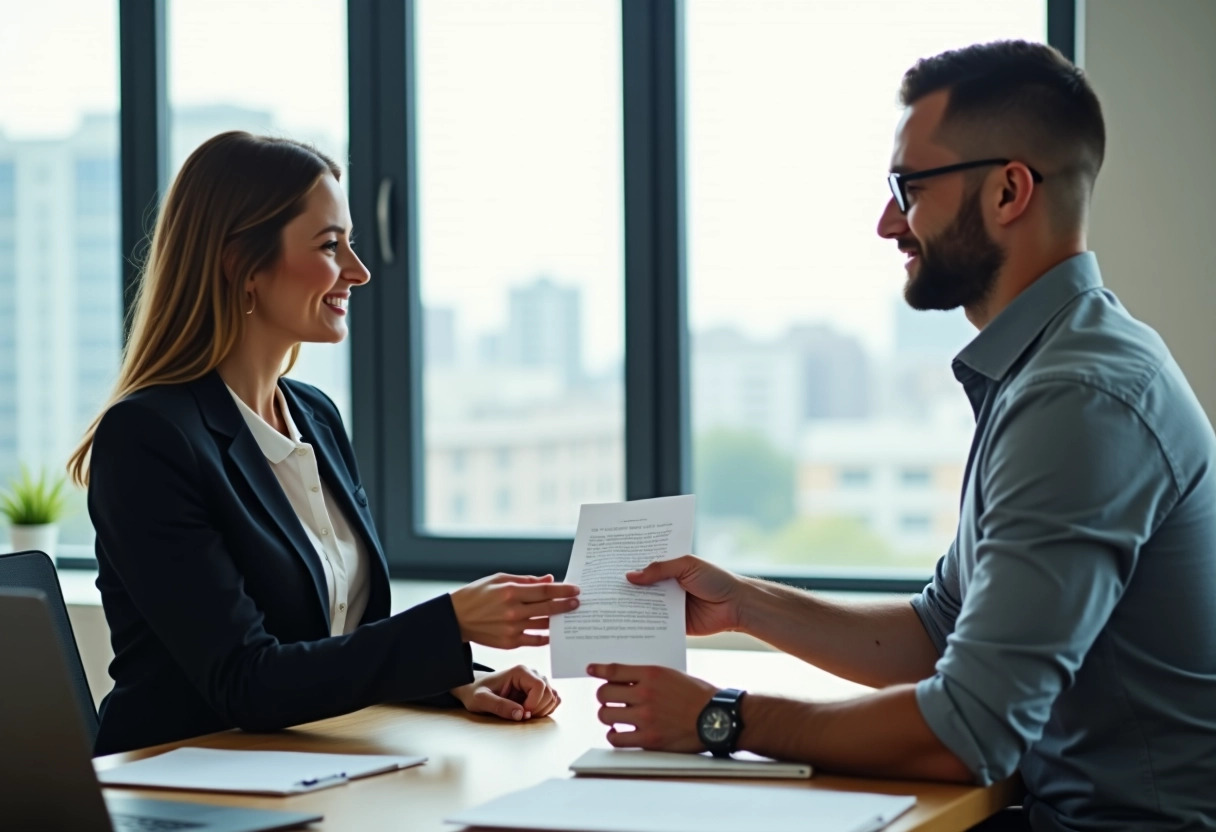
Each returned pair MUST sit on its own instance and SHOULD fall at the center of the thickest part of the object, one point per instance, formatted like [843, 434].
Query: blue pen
[316, 781]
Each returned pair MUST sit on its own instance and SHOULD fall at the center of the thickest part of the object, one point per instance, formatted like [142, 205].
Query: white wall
[1153, 65]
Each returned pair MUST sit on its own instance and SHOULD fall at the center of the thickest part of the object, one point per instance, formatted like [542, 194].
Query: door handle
[384, 227]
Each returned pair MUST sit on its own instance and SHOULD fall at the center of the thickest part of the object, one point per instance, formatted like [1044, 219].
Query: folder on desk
[250, 772]
[593, 804]
[633, 762]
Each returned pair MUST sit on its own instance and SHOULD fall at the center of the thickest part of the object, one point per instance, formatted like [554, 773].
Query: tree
[740, 474]
[832, 541]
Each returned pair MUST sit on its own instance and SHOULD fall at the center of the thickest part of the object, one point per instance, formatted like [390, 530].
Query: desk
[473, 759]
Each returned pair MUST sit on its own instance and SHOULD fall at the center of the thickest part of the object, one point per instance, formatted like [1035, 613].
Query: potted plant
[33, 508]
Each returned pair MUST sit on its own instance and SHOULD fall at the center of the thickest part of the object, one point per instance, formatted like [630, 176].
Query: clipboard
[250, 772]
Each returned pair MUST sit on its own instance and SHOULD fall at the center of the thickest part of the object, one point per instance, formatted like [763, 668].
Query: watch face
[715, 725]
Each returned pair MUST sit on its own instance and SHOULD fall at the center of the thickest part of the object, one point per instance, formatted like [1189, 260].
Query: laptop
[47, 781]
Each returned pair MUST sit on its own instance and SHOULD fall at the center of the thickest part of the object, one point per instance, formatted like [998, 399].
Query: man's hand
[518, 693]
[713, 603]
[661, 704]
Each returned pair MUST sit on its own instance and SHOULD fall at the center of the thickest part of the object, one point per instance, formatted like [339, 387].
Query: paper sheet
[593, 804]
[617, 621]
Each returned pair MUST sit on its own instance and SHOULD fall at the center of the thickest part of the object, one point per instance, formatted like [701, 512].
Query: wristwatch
[720, 722]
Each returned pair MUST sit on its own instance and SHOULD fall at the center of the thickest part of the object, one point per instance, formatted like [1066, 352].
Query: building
[544, 328]
[524, 472]
[774, 387]
[918, 377]
[897, 478]
[439, 336]
[60, 274]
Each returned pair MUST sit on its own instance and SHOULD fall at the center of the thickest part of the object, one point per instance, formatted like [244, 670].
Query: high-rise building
[774, 387]
[439, 336]
[544, 328]
[919, 379]
[60, 275]
[834, 373]
[8, 315]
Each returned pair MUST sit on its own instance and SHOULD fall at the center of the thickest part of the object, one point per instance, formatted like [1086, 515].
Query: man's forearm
[880, 735]
[876, 643]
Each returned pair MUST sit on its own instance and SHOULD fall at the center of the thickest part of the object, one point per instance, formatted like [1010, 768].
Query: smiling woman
[239, 565]
[303, 299]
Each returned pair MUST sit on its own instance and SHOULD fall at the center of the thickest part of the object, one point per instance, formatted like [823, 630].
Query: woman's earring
[253, 303]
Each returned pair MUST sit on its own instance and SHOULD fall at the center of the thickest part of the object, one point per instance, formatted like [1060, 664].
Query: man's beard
[959, 266]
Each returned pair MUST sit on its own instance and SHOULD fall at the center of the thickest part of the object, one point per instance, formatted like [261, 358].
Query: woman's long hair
[221, 223]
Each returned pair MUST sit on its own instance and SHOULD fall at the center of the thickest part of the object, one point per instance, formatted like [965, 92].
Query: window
[60, 252]
[518, 121]
[553, 169]
[282, 71]
[811, 381]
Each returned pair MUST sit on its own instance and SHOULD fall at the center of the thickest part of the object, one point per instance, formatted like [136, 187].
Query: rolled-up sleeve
[938, 605]
[1071, 486]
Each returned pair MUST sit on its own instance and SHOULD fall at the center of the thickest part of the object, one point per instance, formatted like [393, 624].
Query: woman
[239, 566]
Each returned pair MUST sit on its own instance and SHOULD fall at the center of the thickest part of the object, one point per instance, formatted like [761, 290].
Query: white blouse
[342, 552]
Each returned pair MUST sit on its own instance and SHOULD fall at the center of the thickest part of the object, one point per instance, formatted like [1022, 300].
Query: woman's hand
[496, 611]
[517, 694]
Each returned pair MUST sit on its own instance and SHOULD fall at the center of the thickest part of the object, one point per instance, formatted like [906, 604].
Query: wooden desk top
[472, 759]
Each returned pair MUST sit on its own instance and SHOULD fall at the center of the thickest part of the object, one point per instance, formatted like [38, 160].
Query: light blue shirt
[1075, 612]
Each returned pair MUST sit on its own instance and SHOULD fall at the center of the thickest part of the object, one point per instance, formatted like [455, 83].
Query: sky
[789, 120]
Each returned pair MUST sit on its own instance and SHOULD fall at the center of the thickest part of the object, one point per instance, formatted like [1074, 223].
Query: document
[593, 804]
[252, 772]
[617, 621]
[634, 762]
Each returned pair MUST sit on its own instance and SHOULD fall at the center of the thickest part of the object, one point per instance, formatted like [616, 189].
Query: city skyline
[520, 177]
[803, 209]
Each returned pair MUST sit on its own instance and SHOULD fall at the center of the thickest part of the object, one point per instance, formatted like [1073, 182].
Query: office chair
[34, 570]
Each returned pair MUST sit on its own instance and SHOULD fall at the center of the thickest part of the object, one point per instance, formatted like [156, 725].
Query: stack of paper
[617, 805]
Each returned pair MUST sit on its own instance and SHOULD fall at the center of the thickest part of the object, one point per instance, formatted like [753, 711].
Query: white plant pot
[42, 537]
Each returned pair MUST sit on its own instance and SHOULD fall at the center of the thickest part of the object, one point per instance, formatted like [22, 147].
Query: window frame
[386, 343]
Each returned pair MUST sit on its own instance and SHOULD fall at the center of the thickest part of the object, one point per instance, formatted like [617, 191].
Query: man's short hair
[1023, 101]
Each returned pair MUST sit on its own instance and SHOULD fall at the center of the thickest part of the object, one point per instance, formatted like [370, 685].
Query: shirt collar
[275, 446]
[999, 344]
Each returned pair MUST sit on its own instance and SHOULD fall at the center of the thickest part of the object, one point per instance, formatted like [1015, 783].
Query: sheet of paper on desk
[252, 772]
[591, 804]
[617, 621]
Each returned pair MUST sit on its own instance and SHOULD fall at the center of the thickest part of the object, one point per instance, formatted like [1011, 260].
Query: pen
[317, 781]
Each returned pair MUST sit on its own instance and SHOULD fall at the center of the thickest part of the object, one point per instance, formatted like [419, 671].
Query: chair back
[34, 570]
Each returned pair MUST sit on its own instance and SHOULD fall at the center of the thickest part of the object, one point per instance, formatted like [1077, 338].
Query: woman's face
[304, 297]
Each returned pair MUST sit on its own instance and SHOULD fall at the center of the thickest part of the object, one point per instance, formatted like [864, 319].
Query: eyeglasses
[899, 181]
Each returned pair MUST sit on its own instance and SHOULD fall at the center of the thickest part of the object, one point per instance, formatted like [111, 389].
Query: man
[1069, 633]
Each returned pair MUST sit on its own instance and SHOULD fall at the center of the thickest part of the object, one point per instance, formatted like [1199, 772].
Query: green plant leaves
[30, 502]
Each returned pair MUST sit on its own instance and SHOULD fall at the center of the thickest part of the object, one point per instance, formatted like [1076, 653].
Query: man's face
[952, 260]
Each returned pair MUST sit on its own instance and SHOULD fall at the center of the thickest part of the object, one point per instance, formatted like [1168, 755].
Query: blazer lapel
[334, 471]
[223, 417]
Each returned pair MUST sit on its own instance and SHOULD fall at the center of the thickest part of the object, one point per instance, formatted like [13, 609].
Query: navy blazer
[216, 598]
